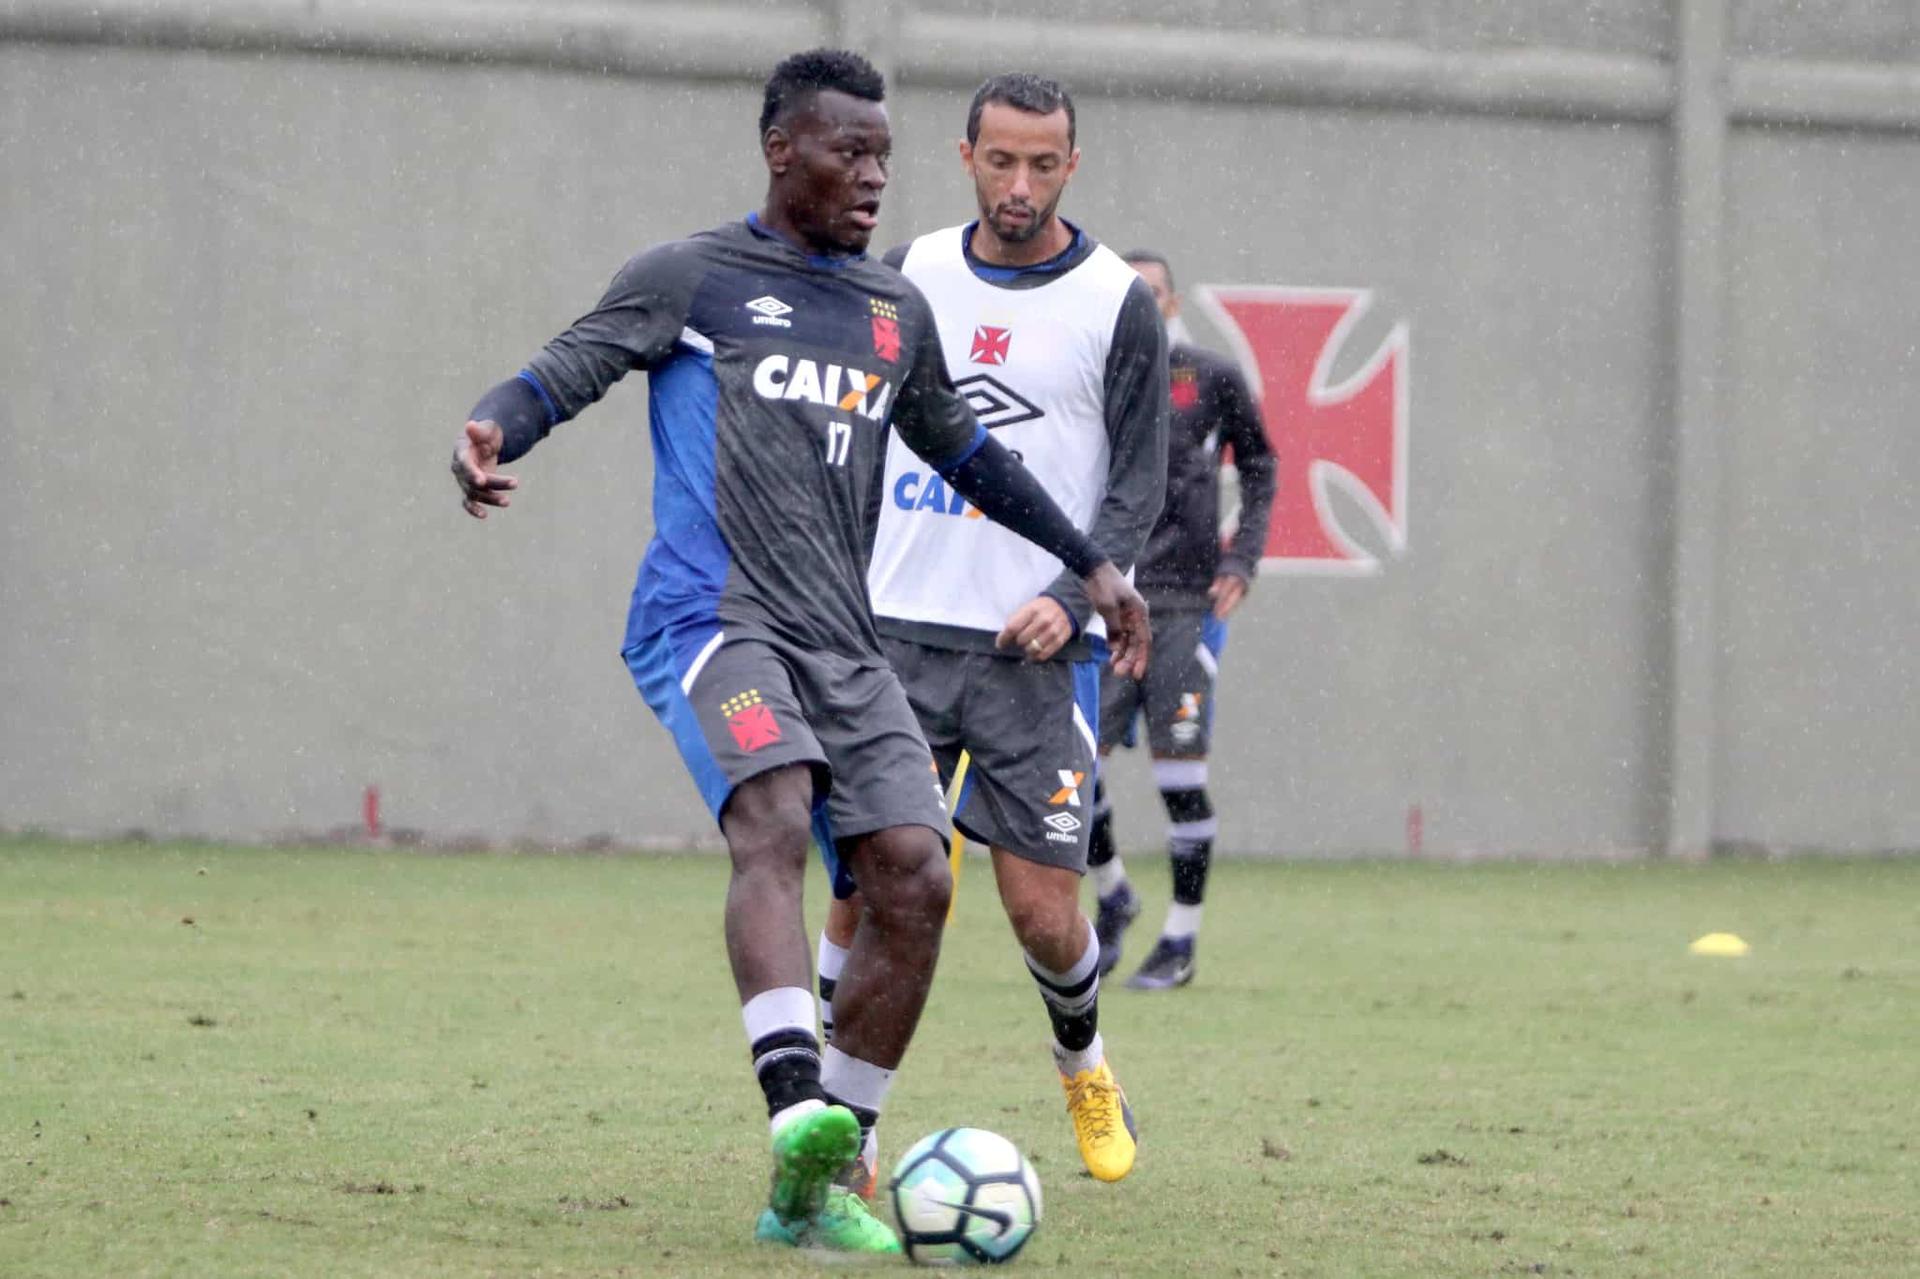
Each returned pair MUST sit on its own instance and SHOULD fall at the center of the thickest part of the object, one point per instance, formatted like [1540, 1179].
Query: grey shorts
[1176, 696]
[1029, 728]
[741, 708]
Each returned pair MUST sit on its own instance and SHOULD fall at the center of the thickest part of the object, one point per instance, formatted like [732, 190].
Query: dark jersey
[1212, 410]
[774, 375]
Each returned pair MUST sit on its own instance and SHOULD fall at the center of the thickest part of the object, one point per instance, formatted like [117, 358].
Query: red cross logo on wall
[990, 344]
[1351, 434]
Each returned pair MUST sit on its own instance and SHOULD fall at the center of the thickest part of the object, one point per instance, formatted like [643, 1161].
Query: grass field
[225, 1061]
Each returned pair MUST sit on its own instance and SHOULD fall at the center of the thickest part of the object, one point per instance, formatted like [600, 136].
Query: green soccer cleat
[845, 1225]
[807, 1151]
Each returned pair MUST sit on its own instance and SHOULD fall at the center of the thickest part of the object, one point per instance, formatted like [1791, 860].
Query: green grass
[223, 1061]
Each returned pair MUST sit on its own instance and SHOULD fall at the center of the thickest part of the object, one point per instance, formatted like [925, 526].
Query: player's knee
[767, 829]
[916, 894]
[1044, 921]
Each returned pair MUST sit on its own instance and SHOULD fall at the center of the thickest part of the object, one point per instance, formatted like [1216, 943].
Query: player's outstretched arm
[476, 461]
[635, 326]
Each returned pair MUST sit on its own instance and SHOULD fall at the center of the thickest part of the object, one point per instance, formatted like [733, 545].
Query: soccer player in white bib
[1057, 345]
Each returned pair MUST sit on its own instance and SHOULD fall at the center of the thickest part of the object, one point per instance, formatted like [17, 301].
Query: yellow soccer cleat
[1102, 1122]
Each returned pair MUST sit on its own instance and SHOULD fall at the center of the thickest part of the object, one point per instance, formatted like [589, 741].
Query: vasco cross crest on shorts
[751, 720]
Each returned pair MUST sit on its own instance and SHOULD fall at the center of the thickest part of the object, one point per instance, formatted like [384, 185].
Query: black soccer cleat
[1168, 964]
[1118, 909]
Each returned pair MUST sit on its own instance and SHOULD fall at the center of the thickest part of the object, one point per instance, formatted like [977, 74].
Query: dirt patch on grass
[1445, 1159]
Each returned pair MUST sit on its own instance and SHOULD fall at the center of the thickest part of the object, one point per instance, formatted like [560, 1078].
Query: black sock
[1191, 826]
[1100, 845]
[1072, 998]
[787, 1063]
[1190, 861]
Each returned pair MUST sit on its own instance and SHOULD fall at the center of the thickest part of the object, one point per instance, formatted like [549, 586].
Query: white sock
[830, 958]
[1073, 1063]
[1182, 922]
[861, 1087]
[852, 1081]
[782, 1008]
[1109, 877]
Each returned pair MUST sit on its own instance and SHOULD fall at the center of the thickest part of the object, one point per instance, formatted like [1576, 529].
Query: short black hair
[1023, 91]
[801, 75]
[1134, 257]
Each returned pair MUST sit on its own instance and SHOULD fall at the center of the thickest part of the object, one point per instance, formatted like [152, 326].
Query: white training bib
[1033, 364]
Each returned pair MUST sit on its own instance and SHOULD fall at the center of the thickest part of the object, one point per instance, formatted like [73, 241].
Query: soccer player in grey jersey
[778, 356]
[1194, 585]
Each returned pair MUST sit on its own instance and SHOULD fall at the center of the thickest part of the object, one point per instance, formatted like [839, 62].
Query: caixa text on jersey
[834, 386]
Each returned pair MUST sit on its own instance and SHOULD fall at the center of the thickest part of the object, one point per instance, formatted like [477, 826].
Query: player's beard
[1041, 219]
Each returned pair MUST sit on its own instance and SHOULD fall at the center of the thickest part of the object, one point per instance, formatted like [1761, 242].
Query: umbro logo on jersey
[1069, 792]
[1062, 827]
[990, 344]
[994, 402]
[771, 310]
[782, 377]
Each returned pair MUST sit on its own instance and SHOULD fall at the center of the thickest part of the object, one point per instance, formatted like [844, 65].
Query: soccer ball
[964, 1195]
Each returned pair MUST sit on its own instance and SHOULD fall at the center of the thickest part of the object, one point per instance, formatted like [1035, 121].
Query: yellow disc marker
[1725, 945]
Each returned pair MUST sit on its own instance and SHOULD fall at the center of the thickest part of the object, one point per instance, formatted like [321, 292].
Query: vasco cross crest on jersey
[886, 338]
[990, 344]
[886, 329]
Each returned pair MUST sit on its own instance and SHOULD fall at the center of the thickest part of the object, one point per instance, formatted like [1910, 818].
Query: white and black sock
[1191, 828]
[786, 1056]
[858, 1085]
[1072, 999]
[831, 958]
[1103, 858]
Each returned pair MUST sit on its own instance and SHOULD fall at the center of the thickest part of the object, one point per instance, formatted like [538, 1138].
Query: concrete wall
[248, 248]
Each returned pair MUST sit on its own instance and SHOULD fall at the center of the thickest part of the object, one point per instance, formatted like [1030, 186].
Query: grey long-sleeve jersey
[774, 375]
[1212, 410]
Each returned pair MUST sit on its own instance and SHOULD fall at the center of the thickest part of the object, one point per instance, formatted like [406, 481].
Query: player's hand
[475, 458]
[1113, 596]
[1039, 629]
[1227, 591]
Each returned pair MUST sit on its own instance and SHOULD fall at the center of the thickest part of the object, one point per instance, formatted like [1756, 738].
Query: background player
[1057, 342]
[778, 356]
[1193, 586]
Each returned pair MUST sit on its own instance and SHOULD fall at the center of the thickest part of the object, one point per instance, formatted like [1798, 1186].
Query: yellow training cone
[1725, 944]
